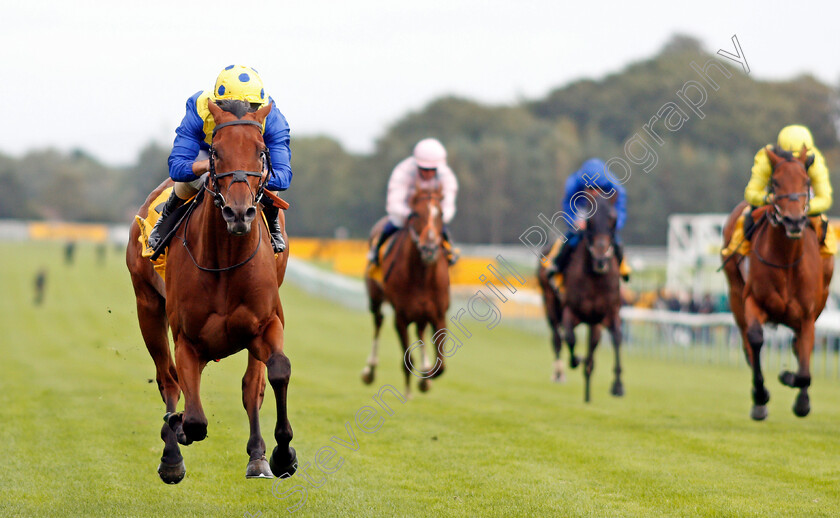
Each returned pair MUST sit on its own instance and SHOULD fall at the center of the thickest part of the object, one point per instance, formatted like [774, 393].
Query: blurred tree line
[511, 161]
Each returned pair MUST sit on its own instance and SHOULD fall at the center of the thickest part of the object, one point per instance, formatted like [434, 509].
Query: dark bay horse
[220, 297]
[592, 292]
[553, 306]
[786, 281]
[416, 284]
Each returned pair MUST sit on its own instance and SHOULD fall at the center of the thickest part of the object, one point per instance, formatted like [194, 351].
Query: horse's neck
[779, 248]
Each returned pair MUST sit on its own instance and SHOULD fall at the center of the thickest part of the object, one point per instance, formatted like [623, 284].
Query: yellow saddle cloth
[146, 225]
[374, 271]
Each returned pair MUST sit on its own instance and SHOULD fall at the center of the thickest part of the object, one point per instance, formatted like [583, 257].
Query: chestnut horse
[592, 292]
[786, 282]
[220, 297]
[416, 283]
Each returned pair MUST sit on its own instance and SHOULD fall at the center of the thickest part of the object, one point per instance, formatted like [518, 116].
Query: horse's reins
[219, 199]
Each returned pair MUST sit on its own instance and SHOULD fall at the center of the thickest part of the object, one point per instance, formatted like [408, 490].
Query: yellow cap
[792, 138]
[241, 83]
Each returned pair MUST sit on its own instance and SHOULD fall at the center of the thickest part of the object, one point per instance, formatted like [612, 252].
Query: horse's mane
[236, 107]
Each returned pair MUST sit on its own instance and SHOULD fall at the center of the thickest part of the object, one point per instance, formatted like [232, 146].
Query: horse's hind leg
[559, 375]
[615, 333]
[425, 383]
[376, 298]
[589, 362]
[803, 347]
[151, 315]
[753, 341]
[253, 391]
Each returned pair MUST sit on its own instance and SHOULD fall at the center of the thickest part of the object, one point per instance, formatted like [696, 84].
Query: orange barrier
[68, 231]
[349, 257]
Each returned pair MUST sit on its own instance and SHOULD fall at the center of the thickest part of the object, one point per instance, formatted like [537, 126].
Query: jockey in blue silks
[190, 159]
[593, 174]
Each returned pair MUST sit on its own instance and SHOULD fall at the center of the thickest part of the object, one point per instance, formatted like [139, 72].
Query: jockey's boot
[168, 208]
[452, 253]
[558, 266]
[749, 224]
[277, 242]
[623, 268]
[387, 231]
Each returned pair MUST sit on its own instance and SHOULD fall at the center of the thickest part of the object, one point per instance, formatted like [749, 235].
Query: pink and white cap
[429, 153]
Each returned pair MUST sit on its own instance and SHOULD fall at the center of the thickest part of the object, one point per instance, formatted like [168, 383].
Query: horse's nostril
[250, 213]
[228, 213]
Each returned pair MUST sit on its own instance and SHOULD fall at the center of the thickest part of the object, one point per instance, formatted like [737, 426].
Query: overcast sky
[109, 77]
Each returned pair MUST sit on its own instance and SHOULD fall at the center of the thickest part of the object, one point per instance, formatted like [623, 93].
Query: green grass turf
[80, 422]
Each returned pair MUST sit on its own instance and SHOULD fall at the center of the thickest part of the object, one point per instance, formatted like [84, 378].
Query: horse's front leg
[189, 366]
[570, 322]
[253, 392]
[755, 317]
[589, 362]
[803, 347]
[614, 326]
[268, 349]
[401, 325]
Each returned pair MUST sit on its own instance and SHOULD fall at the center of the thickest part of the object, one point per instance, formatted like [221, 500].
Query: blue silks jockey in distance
[593, 174]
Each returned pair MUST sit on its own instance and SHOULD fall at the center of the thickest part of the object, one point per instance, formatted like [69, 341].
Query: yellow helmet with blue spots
[240, 82]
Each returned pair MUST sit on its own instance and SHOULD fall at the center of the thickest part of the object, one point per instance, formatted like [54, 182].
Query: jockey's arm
[574, 184]
[620, 206]
[277, 140]
[450, 192]
[818, 172]
[399, 185]
[188, 142]
[756, 190]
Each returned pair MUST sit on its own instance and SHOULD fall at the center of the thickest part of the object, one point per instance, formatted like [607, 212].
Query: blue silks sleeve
[620, 205]
[277, 139]
[189, 140]
[574, 185]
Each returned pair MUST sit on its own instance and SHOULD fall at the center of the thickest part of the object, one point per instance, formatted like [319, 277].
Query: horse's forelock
[235, 106]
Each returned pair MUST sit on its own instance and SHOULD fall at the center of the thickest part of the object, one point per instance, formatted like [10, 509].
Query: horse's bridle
[218, 197]
[238, 175]
[776, 217]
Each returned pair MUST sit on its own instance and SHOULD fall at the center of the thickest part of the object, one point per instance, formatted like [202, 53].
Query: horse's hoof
[558, 377]
[617, 389]
[438, 372]
[172, 473]
[802, 406]
[286, 470]
[424, 385]
[367, 375]
[787, 378]
[258, 468]
[574, 362]
[759, 412]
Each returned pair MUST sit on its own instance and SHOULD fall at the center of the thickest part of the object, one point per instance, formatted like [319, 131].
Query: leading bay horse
[220, 297]
[592, 292]
[786, 281]
[416, 284]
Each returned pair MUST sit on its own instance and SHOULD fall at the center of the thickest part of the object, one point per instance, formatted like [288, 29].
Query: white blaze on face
[434, 212]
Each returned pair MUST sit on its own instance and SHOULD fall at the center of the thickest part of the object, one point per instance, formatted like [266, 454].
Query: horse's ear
[803, 156]
[214, 109]
[263, 112]
[774, 158]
